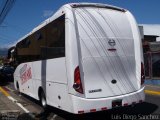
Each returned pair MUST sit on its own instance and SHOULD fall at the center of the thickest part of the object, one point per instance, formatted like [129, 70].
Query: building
[151, 49]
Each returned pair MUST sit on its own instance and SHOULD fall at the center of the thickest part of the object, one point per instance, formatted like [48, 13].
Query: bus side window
[46, 43]
[55, 46]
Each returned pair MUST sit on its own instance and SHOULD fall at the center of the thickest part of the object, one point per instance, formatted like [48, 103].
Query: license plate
[116, 103]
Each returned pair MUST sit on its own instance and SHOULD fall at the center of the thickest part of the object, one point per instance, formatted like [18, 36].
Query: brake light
[142, 74]
[77, 81]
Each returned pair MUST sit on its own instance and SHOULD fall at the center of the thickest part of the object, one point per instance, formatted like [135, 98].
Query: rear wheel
[43, 99]
[18, 88]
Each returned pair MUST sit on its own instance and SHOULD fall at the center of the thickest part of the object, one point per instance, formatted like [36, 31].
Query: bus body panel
[83, 105]
[88, 33]
[23, 76]
[108, 52]
[58, 96]
[43, 74]
[56, 70]
[72, 56]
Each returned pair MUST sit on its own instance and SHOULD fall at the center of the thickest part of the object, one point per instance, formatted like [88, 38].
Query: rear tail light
[93, 110]
[77, 81]
[126, 104]
[104, 108]
[142, 74]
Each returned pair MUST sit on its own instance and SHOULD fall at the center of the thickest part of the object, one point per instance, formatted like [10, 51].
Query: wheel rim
[43, 100]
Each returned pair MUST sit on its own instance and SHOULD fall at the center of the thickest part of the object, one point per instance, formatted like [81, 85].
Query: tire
[18, 88]
[43, 100]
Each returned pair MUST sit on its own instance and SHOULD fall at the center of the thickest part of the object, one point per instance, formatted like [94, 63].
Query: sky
[27, 14]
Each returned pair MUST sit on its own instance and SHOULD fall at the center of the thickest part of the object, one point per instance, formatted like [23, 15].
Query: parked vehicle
[6, 72]
[87, 57]
[1, 67]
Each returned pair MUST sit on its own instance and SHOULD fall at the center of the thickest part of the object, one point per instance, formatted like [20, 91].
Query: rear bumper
[83, 105]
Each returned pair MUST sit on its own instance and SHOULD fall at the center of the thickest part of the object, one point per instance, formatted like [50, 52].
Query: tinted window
[147, 65]
[33, 50]
[55, 45]
[156, 65]
[46, 43]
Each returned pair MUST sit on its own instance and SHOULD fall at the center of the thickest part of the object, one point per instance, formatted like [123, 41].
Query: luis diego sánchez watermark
[135, 117]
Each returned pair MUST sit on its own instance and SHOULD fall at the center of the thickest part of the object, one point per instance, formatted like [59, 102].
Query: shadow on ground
[143, 109]
[3, 82]
[117, 113]
[127, 113]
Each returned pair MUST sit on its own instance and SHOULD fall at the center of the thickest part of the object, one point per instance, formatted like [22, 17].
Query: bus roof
[97, 5]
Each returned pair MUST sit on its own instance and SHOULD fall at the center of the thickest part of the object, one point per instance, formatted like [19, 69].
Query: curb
[4, 92]
[152, 92]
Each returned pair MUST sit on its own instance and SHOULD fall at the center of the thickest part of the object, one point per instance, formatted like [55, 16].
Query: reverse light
[77, 81]
[142, 74]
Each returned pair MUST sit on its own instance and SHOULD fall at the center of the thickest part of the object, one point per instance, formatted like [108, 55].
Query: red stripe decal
[104, 108]
[81, 112]
[126, 104]
[93, 110]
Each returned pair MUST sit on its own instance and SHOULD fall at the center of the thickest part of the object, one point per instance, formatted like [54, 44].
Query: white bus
[87, 57]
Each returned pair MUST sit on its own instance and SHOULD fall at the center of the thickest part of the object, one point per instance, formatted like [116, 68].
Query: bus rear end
[110, 72]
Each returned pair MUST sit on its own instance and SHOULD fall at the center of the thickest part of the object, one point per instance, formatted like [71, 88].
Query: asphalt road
[149, 109]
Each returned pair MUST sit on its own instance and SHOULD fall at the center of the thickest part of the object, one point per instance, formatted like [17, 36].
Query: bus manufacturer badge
[112, 42]
[96, 90]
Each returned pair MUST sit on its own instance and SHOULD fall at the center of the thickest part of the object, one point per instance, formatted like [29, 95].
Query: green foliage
[1, 61]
